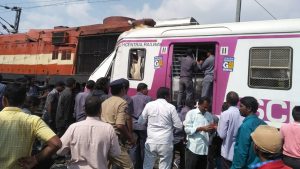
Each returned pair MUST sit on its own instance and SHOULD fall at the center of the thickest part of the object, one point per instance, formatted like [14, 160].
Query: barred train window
[136, 64]
[66, 55]
[270, 68]
[54, 55]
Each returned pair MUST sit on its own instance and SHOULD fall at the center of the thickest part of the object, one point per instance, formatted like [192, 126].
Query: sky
[43, 14]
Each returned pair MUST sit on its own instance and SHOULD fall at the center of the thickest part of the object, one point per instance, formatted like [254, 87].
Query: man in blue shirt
[207, 66]
[188, 66]
[139, 102]
[198, 123]
[79, 111]
[230, 121]
[244, 154]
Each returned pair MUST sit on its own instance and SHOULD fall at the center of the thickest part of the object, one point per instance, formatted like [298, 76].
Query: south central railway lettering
[275, 110]
[140, 44]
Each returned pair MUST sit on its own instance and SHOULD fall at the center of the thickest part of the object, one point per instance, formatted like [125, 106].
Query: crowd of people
[102, 127]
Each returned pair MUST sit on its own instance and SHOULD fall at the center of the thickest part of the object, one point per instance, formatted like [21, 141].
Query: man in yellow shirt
[18, 131]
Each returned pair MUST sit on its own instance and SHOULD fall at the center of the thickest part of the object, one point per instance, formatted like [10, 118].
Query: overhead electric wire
[53, 4]
[56, 3]
[7, 23]
[6, 7]
[265, 9]
[32, 2]
[4, 27]
[71, 2]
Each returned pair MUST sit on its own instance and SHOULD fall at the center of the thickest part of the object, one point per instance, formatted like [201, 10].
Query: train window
[66, 55]
[270, 67]
[63, 55]
[54, 55]
[136, 65]
[69, 55]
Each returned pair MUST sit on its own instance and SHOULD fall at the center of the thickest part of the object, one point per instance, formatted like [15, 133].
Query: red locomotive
[59, 52]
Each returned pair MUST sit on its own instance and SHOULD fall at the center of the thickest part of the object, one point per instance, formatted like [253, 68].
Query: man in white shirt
[162, 118]
[197, 125]
[90, 141]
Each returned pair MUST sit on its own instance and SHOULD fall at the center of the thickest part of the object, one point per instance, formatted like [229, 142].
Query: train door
[105, 68]
[200, 50]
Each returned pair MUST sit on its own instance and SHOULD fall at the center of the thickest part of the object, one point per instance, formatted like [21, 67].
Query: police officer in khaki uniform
[114, 112]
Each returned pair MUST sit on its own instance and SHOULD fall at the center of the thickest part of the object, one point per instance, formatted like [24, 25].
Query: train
[60, 52]
[258, 58]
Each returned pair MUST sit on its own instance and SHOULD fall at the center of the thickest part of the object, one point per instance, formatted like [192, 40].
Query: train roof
[237, 28]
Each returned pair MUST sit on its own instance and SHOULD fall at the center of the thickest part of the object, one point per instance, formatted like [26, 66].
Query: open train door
[199, 53]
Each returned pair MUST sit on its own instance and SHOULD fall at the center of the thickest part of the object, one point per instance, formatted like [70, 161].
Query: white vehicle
[256, 59]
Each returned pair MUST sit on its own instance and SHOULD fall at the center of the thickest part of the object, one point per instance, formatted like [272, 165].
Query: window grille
[270, 68]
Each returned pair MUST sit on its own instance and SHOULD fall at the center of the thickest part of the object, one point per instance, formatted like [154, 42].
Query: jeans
[162, 151]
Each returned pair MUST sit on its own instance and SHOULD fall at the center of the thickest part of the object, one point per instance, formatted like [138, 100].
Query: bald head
[232, 98]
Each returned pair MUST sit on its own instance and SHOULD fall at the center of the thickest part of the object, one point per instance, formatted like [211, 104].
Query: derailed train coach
[257, 59]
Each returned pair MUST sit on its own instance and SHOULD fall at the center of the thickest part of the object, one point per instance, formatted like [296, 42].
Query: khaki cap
[267, 138]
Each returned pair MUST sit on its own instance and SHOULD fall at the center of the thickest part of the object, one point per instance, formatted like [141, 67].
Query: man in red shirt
[268, 146]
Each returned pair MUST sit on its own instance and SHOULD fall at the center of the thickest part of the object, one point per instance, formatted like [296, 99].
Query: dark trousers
[180, 147]
[47, 163]
[49, 121]
[207, 88]
[291, 162]
[212, 157]
[226, 164]
[185, 87]
[214, 153]
[140, 148]
[194, 161]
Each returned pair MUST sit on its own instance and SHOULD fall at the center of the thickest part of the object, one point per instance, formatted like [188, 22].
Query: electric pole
[17, 18]
[238, 11]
